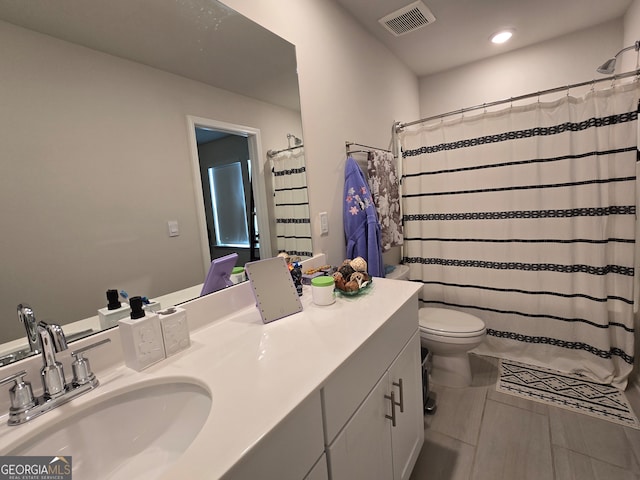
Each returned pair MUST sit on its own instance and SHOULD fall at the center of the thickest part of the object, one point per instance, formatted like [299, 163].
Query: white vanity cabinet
[294, 450]
[367, 437]
[363, 449]
[319, 471]
[303, 398]
[364, 422]
[407, 436]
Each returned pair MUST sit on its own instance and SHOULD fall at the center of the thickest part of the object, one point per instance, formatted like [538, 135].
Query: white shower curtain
[527, 218]
[291, 203]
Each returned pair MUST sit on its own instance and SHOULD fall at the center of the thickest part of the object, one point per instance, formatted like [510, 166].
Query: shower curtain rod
[273, 153]
[400, 126]
[348, 144]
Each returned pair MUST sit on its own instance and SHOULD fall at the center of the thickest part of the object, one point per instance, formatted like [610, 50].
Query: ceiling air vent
[408, 19]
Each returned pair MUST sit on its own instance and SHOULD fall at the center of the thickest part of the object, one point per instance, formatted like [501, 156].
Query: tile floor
[480, 434]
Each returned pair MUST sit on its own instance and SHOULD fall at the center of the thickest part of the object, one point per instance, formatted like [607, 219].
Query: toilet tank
[401, 272]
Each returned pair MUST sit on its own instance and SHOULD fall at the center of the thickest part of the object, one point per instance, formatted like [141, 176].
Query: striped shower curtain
[526, 218]
[291, 203]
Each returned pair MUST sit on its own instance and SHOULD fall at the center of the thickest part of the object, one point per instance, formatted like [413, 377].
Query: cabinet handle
[392, 397]
[399, 385]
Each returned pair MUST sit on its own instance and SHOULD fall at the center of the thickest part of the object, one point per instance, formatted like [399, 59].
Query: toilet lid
[446, 322]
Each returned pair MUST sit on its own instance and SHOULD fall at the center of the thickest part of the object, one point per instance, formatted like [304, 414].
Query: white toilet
[449, 335]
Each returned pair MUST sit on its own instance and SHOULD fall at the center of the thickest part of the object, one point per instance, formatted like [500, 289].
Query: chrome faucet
[24, 406]
[52, 340]
[28, 318]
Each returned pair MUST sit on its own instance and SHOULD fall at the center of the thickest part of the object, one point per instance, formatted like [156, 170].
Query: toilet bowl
[449, 335]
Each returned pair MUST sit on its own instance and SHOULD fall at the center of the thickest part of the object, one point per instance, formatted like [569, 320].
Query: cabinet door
[288, 451]
[407, 436]
[362, 450]
[319, 470]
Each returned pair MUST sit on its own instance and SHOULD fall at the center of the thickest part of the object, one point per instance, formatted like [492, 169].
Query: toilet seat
[444, 322]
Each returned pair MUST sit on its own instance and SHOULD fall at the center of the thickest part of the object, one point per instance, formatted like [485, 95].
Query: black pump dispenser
[136, 308]
[112, 299]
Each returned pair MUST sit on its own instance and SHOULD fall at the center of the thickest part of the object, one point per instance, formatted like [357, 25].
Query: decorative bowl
[365, 286]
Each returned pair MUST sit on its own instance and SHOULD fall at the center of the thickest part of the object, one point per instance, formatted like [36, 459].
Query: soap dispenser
[175, 330]
[114, 310]
[141, 337]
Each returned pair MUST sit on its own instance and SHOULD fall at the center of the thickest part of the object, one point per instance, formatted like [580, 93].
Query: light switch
[324, 222]
[174, 229]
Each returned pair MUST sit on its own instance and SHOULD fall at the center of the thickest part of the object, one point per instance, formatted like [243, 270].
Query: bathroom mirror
[97, 188]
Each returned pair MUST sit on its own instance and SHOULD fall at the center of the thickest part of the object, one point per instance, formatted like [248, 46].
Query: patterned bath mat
[567, 391]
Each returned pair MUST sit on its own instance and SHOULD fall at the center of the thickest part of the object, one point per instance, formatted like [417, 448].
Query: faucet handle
[81, 369]
[21, 394]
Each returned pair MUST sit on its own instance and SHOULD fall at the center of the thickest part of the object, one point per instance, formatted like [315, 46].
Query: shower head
[296, 140]
[609, 66]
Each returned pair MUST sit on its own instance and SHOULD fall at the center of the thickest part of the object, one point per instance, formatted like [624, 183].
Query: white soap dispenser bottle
[114, 310]
[141, 337]
[175, 330]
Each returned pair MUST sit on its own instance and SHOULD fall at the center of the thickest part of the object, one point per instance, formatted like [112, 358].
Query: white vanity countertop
[257, 373]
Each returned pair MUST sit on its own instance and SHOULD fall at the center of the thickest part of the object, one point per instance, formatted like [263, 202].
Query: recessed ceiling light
[502, 36]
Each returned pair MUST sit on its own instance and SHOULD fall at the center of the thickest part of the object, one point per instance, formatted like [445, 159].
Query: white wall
[630, 59]
[351, 88]
[561, 61]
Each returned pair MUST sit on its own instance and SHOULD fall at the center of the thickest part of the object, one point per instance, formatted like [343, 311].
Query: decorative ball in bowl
[364, 287]
[352, 277]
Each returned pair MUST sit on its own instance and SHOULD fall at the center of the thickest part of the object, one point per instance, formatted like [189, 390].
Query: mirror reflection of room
[291, 199]
[112, 200]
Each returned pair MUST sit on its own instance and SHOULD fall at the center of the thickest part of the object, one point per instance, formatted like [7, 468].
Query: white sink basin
[135, 434]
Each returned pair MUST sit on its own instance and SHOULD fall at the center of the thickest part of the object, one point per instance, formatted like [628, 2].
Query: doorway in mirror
[225, 173]
[229, 189]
